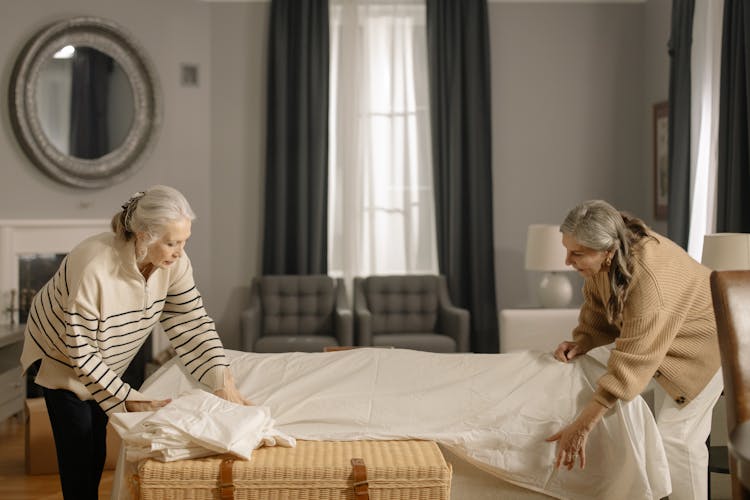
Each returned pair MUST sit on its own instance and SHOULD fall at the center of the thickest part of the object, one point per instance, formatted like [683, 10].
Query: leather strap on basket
[226, 484]
[359, 474]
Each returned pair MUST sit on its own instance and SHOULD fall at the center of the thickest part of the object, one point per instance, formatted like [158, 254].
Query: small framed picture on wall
[661, 159]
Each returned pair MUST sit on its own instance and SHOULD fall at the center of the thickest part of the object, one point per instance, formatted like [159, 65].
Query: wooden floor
[15, 484]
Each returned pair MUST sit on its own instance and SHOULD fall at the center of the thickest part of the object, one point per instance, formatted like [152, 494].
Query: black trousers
[80, 431]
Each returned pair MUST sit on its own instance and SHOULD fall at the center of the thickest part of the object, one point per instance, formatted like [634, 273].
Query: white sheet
[493, 410]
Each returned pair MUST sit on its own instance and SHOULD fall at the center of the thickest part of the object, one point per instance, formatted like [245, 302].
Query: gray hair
[595, 224]
[600, 226]
[149, 212]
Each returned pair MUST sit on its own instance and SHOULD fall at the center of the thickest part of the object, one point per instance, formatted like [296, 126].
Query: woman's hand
[571, 440]
[567, 351]
[230, 392]
[135, 406]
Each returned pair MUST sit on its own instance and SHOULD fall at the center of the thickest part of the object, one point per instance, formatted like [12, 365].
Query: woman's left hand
[571, 445]
[571, 440]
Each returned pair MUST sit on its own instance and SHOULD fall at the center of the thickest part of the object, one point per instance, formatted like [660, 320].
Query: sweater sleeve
[82, 321]
[639, 351]
[593, 329]
[191, 331]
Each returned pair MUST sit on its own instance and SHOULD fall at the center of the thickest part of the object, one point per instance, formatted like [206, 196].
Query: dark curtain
[680, 41]
[458, 47]
[733, 185]
[296, 208]
[89, 132]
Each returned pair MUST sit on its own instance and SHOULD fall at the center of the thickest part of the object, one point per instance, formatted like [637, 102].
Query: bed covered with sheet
[491, 410]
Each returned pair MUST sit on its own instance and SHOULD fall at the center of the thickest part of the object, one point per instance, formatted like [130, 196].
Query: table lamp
[545, 252]
[726, 251]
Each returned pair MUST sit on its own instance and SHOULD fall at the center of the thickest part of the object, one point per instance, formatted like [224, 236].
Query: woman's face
[583, 259]
[168, 249]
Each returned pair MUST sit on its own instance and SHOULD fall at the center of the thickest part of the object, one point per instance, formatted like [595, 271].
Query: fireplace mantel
[19, 237]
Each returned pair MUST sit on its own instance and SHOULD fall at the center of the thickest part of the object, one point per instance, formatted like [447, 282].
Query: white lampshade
[726, 251]
[544, 248]
[545, 252]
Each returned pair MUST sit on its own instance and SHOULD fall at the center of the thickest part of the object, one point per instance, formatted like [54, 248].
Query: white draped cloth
[493, 410]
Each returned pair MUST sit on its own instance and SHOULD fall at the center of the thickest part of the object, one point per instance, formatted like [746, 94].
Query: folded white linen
[493, 410]
[196, 424]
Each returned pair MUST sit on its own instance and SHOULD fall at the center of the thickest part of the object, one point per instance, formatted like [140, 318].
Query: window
[381, 204]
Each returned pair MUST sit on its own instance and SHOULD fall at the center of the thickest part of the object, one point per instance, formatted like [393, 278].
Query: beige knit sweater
[668, 330]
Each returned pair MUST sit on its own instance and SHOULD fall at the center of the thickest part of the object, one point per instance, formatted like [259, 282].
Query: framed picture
[661, 159]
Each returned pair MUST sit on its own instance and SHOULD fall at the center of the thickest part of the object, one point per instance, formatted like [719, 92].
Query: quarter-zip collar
[126, 253]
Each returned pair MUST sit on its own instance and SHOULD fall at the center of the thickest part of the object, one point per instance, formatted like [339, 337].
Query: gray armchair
[409, 312]
[296, 313]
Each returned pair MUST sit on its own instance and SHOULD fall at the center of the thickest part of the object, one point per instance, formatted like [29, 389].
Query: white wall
[572, 88]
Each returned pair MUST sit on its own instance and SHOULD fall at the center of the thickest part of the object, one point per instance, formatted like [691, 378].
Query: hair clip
[129, 207]
[133, 197]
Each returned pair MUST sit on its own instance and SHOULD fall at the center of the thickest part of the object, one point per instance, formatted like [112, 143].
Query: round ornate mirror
[84, 102]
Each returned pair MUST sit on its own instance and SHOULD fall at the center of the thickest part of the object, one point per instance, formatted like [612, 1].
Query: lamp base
[555, 291]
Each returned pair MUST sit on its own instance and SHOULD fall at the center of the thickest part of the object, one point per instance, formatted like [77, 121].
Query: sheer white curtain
[381, 205]
[706, 70]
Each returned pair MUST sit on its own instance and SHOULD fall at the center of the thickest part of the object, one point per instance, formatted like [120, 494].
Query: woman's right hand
[135, 406]
[567, 351]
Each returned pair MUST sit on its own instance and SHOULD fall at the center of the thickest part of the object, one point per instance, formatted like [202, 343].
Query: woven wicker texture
[314, 470]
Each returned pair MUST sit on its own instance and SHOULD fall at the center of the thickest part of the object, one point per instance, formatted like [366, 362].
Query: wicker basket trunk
[314, 470]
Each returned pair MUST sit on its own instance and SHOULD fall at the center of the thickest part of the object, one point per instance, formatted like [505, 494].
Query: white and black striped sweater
[88, 322]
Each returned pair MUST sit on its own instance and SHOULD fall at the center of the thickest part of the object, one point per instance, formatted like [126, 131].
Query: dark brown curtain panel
[733, 186]
[460, 107]
[296, 204]
[680, 42]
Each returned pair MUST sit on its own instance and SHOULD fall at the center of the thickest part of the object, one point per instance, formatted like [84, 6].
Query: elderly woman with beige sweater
[648, 296]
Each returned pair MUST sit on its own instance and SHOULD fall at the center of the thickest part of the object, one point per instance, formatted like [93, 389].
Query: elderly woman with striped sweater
[648, 296]
[87, 323]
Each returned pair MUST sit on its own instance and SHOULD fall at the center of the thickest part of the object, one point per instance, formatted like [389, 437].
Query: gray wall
[656, 79]
[572, 89]
[171, 32]
[571, 106]
[239, 57]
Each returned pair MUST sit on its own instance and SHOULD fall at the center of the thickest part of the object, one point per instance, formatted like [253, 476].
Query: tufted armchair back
[296, 313]
[402, 303]
[409, 312]
[297, 305]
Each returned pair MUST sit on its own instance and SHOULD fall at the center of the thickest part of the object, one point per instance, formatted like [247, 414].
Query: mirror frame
[106, 37]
